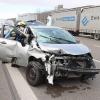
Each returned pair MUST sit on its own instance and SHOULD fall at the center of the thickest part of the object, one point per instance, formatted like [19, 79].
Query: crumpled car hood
[72, 49]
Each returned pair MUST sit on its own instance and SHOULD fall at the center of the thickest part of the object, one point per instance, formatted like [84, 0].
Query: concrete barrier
[18, 85]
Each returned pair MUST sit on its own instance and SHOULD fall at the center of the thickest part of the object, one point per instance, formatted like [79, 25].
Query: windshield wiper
[45, 37]
[62, 39]
[50, 38]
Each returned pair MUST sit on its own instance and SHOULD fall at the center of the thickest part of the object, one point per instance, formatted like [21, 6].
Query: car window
[7, 30]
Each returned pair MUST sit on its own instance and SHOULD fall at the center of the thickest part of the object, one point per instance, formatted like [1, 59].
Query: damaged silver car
[53, 53]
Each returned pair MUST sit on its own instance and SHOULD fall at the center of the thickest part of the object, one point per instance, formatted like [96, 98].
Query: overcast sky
[11, 8]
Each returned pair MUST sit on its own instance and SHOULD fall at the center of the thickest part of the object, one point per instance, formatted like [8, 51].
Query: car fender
[36, 53]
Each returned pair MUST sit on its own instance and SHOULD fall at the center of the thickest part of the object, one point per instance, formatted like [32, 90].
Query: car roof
[44, 27]
[34, 22]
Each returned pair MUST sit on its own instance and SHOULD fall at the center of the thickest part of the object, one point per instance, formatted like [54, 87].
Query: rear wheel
[13, 62]
[33, 73]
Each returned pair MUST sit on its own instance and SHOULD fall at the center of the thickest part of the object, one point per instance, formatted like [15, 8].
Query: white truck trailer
[66, 19]
[90, 21]
[85, 20]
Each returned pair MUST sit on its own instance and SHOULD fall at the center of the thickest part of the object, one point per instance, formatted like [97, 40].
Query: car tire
[34, 73]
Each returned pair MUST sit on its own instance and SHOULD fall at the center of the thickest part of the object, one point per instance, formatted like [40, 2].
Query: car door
[7, 49]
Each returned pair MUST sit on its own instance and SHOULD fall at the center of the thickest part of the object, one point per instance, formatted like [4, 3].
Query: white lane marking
[97, 46]
[96, 60]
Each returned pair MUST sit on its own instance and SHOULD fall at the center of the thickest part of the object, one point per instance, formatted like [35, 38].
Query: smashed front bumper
[80, 70]
[64, 66]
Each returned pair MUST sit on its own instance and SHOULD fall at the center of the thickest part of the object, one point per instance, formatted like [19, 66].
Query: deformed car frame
[54, 57]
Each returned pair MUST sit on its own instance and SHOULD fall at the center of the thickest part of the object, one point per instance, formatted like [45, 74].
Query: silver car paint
[73, 49]
[11, 48]
[14, 49]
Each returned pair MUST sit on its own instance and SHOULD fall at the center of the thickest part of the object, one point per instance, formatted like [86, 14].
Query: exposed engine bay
[64, 65]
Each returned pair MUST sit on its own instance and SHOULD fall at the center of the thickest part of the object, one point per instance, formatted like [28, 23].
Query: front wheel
[33, 73]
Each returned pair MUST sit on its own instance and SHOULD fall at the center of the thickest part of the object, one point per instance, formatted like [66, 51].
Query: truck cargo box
[90, 20]
[66, 19]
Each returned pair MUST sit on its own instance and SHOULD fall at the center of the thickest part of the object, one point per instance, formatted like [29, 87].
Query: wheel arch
[32, 58]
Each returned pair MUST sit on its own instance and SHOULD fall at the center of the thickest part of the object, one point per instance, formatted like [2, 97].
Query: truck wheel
[33, 73]
[92, 36]
[96, 36]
